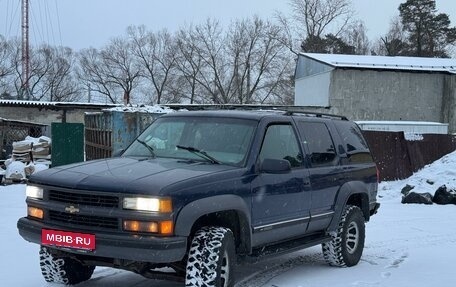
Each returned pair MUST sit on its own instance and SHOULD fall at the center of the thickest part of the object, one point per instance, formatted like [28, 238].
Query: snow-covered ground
[406, 245]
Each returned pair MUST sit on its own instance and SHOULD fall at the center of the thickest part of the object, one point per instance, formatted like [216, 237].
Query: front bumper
[125, 246]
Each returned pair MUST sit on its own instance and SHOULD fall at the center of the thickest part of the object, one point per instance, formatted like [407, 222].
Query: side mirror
[270, 165]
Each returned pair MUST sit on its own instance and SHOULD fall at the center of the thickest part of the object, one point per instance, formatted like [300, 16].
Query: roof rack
[290, 112]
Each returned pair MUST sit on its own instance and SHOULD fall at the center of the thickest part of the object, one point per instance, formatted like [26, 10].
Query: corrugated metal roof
[3, 120]
[55, 104]
[385, 62]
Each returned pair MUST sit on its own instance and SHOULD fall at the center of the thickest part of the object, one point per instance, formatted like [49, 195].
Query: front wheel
[211, 258]
[63, 270]
[347, 244]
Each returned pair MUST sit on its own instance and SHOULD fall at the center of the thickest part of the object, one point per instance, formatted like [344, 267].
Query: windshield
[225, 140]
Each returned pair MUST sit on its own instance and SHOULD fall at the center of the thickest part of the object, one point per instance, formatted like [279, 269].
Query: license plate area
[67, 239]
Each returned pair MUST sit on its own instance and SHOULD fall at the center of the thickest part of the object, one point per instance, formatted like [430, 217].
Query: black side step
[285, 247]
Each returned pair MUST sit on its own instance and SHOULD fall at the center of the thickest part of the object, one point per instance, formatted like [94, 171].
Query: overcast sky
[84, 23]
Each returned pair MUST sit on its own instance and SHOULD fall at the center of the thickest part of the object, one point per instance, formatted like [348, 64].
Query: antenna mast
[25, 51]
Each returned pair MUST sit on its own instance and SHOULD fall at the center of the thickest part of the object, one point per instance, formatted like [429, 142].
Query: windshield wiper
[151, 149]
[199, 153]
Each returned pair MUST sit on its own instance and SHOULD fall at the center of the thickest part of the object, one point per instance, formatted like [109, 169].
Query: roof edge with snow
[385, 62]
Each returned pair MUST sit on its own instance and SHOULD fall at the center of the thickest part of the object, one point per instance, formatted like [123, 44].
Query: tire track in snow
[268, 273]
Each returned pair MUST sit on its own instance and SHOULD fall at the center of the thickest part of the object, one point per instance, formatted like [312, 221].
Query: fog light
[140, 226]
[35, 212]
[162, 227]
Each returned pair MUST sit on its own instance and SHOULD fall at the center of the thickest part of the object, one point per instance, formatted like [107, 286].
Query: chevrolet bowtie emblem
[71, 209]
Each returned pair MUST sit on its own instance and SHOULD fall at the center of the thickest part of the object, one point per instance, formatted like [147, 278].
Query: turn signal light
[166, 227]
[166, 205]
[35, 212]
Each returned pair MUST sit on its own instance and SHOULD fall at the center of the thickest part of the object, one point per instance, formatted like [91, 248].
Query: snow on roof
[411, 123]
[45, 103]
[385, 62]
[155, 109]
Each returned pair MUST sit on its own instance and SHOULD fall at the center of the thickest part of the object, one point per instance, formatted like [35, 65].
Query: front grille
[84, 199]
[84, 220]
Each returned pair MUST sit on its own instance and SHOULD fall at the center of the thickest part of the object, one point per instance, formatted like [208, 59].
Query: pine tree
[429, 33]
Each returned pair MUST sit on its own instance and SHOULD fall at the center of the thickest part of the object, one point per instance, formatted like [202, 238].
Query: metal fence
[12, 131]
[398, 158]
[110, 131]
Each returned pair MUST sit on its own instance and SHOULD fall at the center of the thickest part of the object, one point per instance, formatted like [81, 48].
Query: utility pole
[90, 93]
[25, 93]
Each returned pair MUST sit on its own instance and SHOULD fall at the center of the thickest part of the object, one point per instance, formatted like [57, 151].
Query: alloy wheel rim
[225, 269]
[352, 237]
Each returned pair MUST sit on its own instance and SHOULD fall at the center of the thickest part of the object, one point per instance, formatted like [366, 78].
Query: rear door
[324, 169]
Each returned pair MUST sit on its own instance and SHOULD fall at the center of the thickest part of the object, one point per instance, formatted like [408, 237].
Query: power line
[48, 17]
[12, 20]
[6, 18]
[58, 22]
[36, 27]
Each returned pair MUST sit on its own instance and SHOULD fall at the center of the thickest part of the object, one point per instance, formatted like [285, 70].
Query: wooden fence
[398, 157]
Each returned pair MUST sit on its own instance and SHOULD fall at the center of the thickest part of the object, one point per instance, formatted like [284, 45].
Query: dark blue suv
[199, 191]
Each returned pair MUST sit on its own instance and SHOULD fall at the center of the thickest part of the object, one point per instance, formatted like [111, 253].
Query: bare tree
[59, 84]
[356, 37]
[92, 73]
[259, 58]
[394, 43]
[209, 43]
[121, 67]
[51, 74]
[156, 53]
[6, 67]
[243, 65]
[189, 64]
[40, 64]
[314, 18]
[110, 70]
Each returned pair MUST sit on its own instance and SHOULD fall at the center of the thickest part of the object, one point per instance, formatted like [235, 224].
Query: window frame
[335, 162]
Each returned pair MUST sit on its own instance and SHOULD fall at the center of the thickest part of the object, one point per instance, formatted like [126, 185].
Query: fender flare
[194, 210]
[347, 190]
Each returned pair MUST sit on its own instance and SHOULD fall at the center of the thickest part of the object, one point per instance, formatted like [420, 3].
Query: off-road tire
[211, 258]
[347, 244]
[63, 270]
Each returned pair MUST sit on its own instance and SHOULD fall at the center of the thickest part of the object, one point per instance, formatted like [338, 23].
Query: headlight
[34, 192]
[148, 204]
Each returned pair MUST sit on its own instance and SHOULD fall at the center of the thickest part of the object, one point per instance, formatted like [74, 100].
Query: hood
[128, 175]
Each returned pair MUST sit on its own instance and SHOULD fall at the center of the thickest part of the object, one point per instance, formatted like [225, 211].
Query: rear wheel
[63, 270]
[347, 244]
[211, 258]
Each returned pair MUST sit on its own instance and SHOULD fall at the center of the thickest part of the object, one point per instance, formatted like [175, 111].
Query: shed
[378, 88]
[49, 112]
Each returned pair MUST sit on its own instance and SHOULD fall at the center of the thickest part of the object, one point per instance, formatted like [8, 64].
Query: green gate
[67, 143]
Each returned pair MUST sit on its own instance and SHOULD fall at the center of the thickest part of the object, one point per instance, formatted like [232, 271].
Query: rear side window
[354, 143]
[318, 140]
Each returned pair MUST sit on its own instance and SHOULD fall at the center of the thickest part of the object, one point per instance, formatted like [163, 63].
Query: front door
[280, 202]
